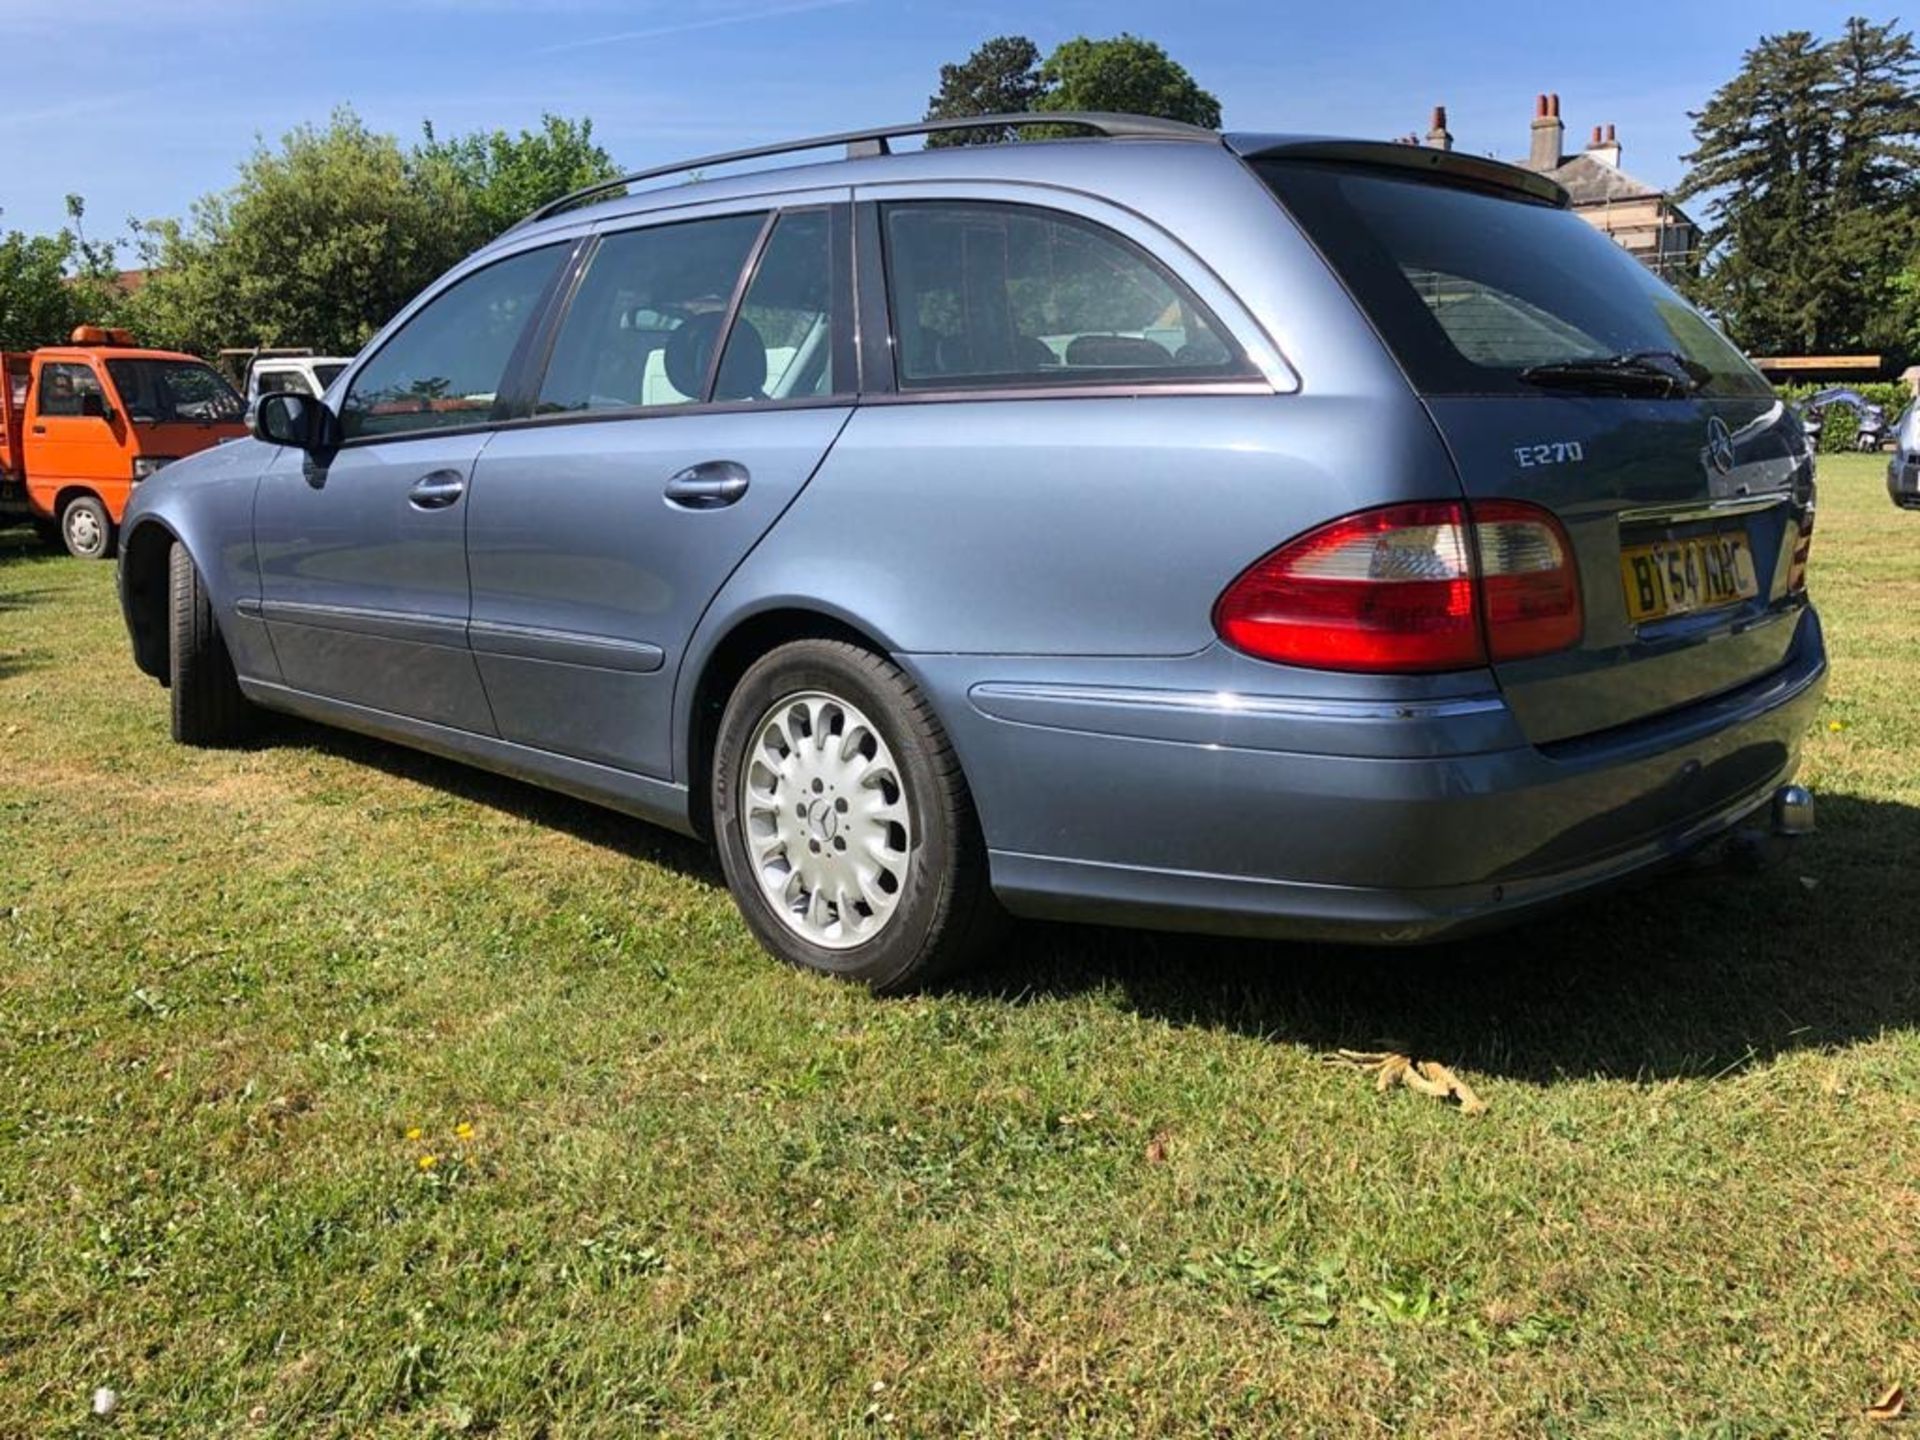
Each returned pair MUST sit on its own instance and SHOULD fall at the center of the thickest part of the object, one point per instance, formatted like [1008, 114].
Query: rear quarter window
[989, 294]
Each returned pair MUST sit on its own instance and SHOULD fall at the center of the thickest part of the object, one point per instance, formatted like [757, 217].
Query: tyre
[844, 824]
[208, 708]
[87, 529]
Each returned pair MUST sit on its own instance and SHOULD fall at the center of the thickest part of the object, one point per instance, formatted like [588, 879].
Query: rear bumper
[1213, 810]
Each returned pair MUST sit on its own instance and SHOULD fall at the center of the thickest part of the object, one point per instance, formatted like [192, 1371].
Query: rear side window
[644, 321]
[1470, 289]
[992, 295]
[444, 366]
[284, 382]
[784, 335]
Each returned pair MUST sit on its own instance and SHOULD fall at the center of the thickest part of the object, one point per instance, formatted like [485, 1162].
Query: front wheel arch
[145, 596]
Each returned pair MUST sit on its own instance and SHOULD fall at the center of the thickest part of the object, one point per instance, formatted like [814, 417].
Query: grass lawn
[345, 1091]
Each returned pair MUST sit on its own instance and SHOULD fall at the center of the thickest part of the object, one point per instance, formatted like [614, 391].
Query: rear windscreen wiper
[1659, 373]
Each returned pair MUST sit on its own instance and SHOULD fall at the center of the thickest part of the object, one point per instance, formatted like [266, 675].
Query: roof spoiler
[1395, 155]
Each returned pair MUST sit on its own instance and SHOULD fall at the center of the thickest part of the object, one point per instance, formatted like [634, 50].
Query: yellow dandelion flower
[427, 1162]
[1836, 725]
[413, 1132]
[463, 1131]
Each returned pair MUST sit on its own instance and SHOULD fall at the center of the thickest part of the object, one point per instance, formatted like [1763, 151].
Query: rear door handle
[708, 486]
[438, 490]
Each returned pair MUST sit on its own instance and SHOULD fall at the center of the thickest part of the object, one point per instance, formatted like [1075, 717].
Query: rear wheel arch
[720, 671]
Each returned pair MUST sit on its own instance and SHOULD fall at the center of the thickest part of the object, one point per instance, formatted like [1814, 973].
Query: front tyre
[86, 528]
[208, 708]
[844, 825]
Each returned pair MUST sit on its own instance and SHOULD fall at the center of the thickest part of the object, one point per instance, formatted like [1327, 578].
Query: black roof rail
[864, 143]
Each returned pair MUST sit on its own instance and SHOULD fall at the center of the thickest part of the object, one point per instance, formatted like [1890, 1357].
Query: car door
[699, 376]
[72, 439]
[363, 569]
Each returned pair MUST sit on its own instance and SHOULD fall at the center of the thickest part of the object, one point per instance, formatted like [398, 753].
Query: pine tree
[1807, 159]
[1001, 77]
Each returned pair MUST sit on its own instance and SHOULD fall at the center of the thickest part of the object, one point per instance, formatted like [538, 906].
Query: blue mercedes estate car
[1244, 533]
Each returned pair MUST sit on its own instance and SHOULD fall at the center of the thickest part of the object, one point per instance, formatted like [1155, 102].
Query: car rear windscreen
[1471, 289]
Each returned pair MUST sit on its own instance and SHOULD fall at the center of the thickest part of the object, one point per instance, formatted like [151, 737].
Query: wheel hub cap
[83, 530]
[825, 819]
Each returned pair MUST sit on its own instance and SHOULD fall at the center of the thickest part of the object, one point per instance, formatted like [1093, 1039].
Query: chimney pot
[1543, 150]
[1610, 139]
[1439, 117]
[1596, 138]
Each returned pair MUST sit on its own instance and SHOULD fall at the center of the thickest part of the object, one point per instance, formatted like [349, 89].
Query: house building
[1642, 218]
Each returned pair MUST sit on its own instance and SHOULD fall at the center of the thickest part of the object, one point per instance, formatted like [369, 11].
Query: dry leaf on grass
[1423, 1077]
[1157, 1149]
[1890, 1406]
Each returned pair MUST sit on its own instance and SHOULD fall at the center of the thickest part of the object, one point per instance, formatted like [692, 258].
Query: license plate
[1680, 577]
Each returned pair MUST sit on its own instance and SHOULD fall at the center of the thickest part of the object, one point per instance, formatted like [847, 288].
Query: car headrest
[743, 372]
[1116, 350]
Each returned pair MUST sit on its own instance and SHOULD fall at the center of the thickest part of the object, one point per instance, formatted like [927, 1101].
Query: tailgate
[1563, 373]
[1683, 563]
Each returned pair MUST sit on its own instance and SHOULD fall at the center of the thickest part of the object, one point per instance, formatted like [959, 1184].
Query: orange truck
[82, 424]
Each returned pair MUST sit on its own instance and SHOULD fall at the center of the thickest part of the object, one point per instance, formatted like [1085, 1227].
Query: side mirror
[93, 405]
[299, 421]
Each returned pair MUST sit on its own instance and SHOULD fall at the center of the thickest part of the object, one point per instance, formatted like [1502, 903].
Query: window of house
[989, 294]
[444, 367]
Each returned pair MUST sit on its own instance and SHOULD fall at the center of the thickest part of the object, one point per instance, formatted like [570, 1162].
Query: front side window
[645, 321]
[173, 391]
[990, 294]
[64, 390]
[444, 367]
[325, 375]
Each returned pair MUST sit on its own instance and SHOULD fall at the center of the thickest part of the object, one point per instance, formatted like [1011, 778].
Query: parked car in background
[1310, 538]
[293, 375]
[83, 424]
[1870, 420]
[1903, 470]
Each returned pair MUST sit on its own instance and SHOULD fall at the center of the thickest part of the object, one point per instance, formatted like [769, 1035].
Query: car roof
[1119, 142]
[113, 352]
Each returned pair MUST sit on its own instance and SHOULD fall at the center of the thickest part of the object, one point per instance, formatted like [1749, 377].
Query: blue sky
[141, 107]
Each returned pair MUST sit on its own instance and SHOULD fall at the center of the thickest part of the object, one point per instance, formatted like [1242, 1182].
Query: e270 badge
[1554, 452]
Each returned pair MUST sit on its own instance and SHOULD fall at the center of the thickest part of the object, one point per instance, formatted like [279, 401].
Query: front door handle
[438, 490]
[708, 486]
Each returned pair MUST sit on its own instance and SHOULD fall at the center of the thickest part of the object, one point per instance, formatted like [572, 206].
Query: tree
[503, 178]
[1807, 157]
[1128, 75]
[51, 283]
[1001, 77]
[325, 237]
[318, 244]
[1124, 74]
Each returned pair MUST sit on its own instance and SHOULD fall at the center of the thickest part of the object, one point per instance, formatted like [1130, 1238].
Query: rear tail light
[1410, 588]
